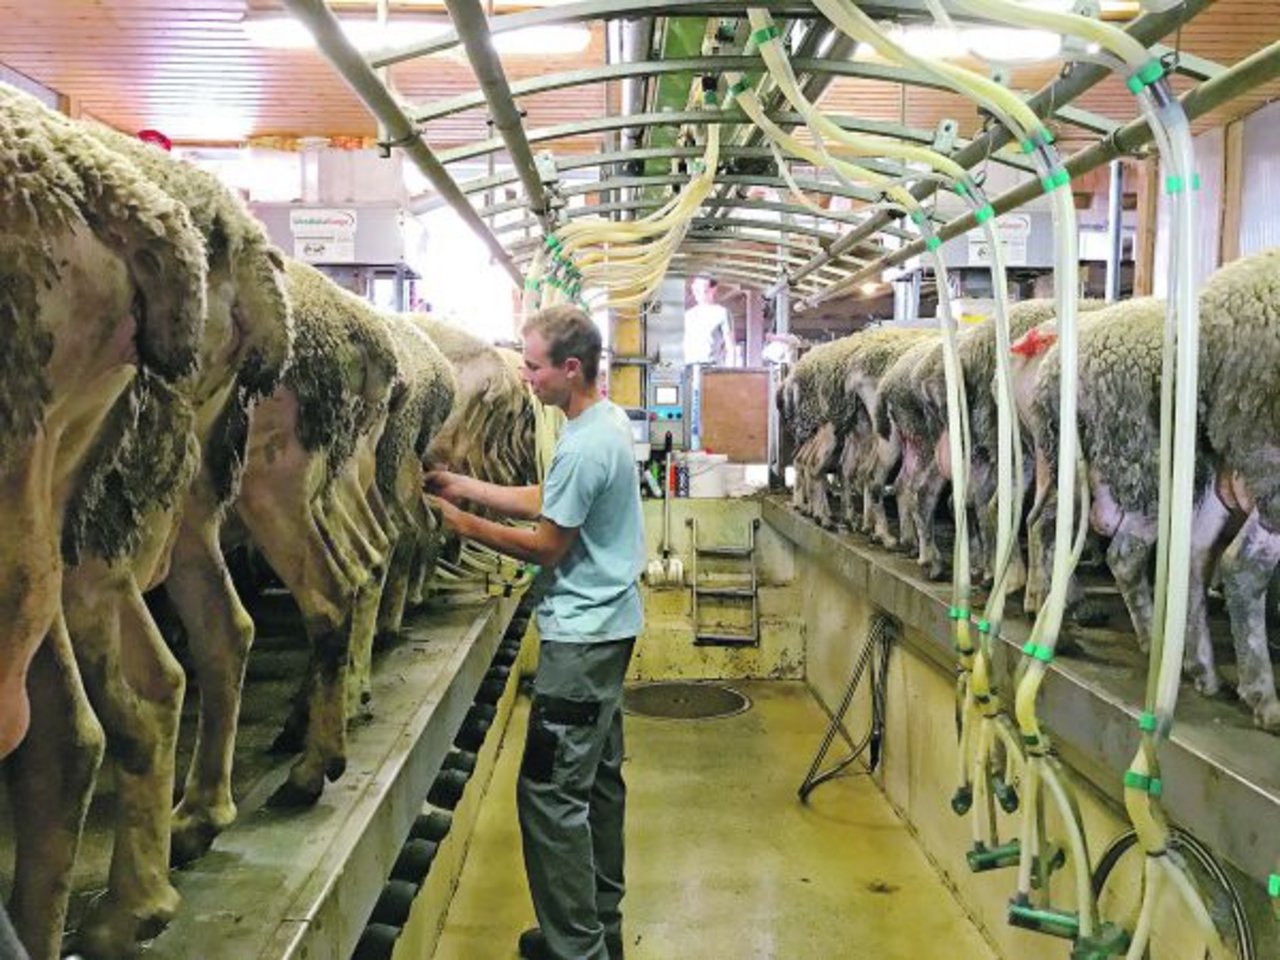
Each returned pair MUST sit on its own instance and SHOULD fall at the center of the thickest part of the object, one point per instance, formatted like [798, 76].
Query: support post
[1115, 229]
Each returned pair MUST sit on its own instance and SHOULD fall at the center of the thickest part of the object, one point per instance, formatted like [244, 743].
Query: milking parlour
[663, 479]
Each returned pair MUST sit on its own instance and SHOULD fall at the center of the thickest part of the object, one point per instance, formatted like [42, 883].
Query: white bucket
[707, 474]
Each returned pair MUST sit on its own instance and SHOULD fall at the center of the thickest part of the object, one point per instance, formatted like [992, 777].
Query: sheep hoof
[190, 840]
[293, 796]
[112, 930]
[1267, 716]
[1207, 683]
[290, 739]
[1089, 613]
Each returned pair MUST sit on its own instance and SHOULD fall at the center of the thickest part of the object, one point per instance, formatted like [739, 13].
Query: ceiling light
[367, 35]
[1011, 45]
[869, 288]
[549, 41]
[998, 44]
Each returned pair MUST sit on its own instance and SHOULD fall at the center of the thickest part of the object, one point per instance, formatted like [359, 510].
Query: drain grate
[683, 701]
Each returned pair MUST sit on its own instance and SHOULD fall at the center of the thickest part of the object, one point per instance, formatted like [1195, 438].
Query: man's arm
[519, 503]
[546, 544]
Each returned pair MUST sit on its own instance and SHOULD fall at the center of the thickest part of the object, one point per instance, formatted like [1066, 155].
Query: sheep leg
[1246, 568]
[220, 633]
[284, 527]
[136, 688]
[1207, 526]
[1128, 557]
[887, 458]
[848, 468]
[904, 490]
[1039, 552]
[929, 487]
[51, 778]
[30, 579]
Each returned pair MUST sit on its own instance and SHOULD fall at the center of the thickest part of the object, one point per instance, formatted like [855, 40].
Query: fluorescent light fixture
[869, 288]
[997, 44]
[549, 41]
[286, 33]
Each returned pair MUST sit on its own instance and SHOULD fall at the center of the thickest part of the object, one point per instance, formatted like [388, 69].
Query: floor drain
[683, 701]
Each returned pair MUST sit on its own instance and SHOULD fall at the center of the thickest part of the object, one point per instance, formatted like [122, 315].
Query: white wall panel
[1260, 181]
[1208, 223]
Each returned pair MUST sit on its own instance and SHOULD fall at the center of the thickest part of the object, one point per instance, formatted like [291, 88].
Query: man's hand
[450, 516]
[446, 485]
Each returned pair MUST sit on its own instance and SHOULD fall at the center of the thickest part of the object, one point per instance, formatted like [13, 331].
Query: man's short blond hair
[569, 332]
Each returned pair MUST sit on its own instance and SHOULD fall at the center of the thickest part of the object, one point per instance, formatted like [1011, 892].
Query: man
[708, 328]
[589, 542]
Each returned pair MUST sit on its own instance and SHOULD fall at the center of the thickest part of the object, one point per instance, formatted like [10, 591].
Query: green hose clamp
[764, 35]
[1140, 781]
[1030, 740]
[984, 626]
[1145, 76]
[553, 242]
[1027, 146]
[917, 217]
[709, 98]
[1173, 184]
[1195, 181]
[1043, 654]
[1147, 722]
[739, 88]
[1040, 137]
[985, 213]
[932, 243]
[960, 188]
[957, 613]
[1058, 178]
[1273, 885]
[533, 285]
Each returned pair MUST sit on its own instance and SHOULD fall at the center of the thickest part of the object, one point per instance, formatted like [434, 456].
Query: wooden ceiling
[185, 67]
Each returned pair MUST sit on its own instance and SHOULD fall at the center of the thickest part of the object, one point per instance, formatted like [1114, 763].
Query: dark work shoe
[533, 945]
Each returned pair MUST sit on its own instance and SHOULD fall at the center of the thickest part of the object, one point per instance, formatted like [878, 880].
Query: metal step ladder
[706, 636]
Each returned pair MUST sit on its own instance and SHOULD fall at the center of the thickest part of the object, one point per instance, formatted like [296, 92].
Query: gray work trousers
[571, 796]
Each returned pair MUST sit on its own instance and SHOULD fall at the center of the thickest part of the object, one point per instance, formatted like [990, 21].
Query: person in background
[708, 327]
[589, 542]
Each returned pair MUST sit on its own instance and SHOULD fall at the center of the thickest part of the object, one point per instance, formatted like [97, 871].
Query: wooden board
[735, 414]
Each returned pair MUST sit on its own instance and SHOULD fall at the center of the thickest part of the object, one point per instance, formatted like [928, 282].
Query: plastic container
[707, 474]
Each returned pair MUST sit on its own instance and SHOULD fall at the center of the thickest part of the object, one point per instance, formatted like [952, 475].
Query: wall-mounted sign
[1013, 229]
[323, 235]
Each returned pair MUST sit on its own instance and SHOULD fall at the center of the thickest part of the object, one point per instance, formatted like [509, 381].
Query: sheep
[491, 433]
[170, 508]
[814, 405]
[1240, 419]
[301, 503]
[901, 420]
[421, 403]
[102, 292]
[867, 459]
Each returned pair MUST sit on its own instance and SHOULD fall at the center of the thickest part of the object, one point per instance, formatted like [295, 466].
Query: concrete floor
[723, 861]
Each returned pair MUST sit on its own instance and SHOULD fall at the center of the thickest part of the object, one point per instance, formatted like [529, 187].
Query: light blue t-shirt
[592, 594]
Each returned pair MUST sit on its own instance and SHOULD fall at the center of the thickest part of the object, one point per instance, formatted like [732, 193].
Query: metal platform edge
[325, 919]
[1219, 784]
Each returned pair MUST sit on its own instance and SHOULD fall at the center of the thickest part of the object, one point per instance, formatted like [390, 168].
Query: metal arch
[756, 280]
[825, 66]
[582, 160]
[400, 130]
[524, 248]
[732, 115]
[836, 216]
[1147, 29]
[630, 9]
[1255, 70]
